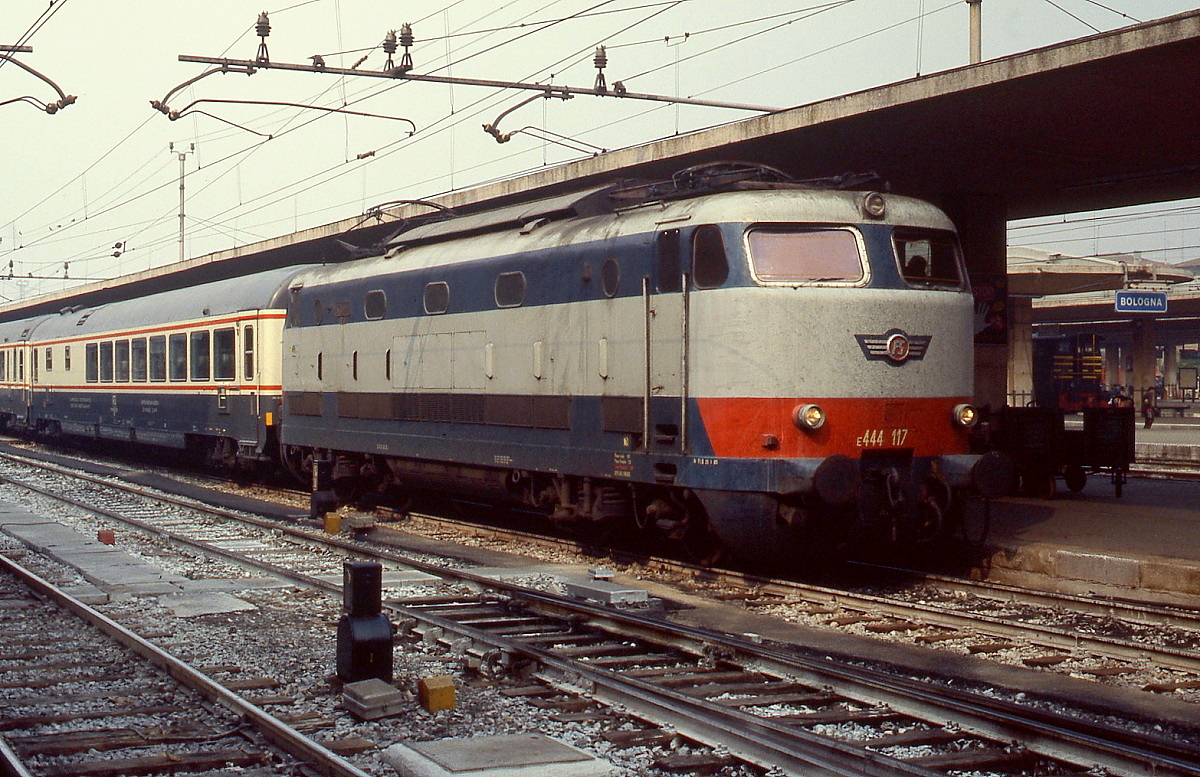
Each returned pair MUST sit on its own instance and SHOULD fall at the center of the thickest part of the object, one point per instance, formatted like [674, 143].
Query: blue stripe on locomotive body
[561, 274]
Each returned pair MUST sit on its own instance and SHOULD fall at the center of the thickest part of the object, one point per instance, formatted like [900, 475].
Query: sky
[92, 192]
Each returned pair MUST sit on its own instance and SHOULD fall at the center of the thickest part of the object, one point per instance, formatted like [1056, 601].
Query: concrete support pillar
[1171, 370]
[1143, 357]
[982, 228]
[1112, 366]
[1020, 365]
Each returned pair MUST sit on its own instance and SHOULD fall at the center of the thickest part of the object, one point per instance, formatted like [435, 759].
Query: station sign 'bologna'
[1141, 301]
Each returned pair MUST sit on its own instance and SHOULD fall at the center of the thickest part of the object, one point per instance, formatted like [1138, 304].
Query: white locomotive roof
[507, 233]
[252, 292]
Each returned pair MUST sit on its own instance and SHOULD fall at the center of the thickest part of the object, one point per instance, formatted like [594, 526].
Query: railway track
[761, 703]
[76, 683]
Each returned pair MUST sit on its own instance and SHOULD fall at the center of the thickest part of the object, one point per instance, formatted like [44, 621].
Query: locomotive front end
[853, 383]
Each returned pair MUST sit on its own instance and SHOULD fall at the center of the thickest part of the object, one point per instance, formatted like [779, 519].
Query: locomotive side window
[789, 256]
[437, 297]
[375, 305]
[200, 356]
[928, 257]
[137, 360]
[177, 351]
[91, 357]
[668, 261]
[224, 354]
[121, 355]
[710, 266]
[248, 353]
[158, 358]
[106, 362]
[320, 366]
[510, 289]
[610, 277]
[387, 364]
[354, 366]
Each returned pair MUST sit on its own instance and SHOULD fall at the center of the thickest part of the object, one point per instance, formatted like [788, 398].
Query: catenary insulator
[601, 59]
[406, 35]
[262, 28]
[389, 42]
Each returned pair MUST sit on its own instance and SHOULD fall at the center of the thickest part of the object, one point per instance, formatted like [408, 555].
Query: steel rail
[274, 730]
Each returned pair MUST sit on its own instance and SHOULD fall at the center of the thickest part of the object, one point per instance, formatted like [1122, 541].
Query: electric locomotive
[727, 359]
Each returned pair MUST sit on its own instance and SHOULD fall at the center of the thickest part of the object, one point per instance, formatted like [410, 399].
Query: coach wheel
[1075, 478]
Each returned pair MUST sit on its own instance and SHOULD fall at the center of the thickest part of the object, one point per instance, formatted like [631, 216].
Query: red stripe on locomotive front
[744, 427]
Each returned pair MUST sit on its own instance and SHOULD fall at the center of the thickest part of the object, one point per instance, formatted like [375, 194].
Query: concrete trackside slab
[190, 605]
[105, 566]
[512, 755]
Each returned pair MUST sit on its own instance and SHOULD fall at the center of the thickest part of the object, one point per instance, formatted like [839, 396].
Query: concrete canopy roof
[1102, 121]
[1036, 273]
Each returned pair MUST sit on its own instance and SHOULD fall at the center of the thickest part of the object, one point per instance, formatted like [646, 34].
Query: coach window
[510, 289]
[177, 351]
[3, 365]
[91, 357]
[67, 358]
[375, 305]
[49, 358]
[21, 366]
[248, 352]
[33, 365]
[121, 355]
[137, 360]
[710, 267]
[805, 256]
[437, 297]
[224, 358]
[158, 358]
[201, 354]
[106, 362]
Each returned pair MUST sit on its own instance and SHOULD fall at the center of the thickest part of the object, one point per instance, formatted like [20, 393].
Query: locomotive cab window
[784, 255]
[710, 265]
[224, 354]
[928, 258]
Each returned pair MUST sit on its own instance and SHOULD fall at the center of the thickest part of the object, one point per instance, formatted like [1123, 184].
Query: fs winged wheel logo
[895, 346]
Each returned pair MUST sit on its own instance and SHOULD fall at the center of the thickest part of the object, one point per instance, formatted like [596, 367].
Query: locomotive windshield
[928, 258]
[790, 255]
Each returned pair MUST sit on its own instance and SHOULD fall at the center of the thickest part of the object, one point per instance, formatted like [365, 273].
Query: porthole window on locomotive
[805, 256]
[437, 297]
[610, 277]
[510, 289]
[928, 257]
[375, 305]
[710, 266]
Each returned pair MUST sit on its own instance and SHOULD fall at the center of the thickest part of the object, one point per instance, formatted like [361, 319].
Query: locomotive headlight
[965, 415]
[810, 417]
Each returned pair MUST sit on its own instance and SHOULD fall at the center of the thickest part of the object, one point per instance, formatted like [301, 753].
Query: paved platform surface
[1144, 544]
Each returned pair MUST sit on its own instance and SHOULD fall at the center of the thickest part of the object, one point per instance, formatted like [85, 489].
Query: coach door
[666, 310]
